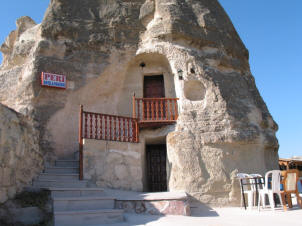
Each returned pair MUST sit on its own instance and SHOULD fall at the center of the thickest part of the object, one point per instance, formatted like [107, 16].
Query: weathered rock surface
[20, 156]
[224, 125]
[114, 165]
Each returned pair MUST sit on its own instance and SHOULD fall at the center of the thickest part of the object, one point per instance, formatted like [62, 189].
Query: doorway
[156, 155]
[154, 86]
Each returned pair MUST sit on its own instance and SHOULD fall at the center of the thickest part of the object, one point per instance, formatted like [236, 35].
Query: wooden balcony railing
[105, 127]
[109, 127]
[148, 111]
[155, 109]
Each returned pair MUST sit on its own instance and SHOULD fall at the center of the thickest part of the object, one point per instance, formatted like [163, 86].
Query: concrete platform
[219, 217]
[157, 203]
[88, 217]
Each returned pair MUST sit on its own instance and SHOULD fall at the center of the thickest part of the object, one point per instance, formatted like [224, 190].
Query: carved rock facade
[224, 126]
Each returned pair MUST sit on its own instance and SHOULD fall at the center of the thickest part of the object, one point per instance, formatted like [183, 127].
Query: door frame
[155, 75]
[147, 172]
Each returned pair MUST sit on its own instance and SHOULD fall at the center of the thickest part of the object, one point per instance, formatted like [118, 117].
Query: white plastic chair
[246, 188]
[275, 176]
[260, 184]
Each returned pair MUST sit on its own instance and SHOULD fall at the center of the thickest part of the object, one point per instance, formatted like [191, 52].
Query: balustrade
[109, 127]
[155, 109]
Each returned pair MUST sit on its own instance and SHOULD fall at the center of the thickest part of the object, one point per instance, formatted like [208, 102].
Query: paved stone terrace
[203, 215]
[220, 217]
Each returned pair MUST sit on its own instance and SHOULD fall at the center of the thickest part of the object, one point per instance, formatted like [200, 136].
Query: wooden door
[153, 88]
[156, 167]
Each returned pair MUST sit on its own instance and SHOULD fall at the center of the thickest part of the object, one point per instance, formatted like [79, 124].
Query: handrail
[89, 112]
[155, 109]
[108, 127]
[100, 126]
[156, 98]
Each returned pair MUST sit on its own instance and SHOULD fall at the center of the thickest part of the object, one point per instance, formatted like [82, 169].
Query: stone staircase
[74, 203]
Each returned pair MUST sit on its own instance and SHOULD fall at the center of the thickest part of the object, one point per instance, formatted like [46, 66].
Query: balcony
[151, 112]
[147, 112]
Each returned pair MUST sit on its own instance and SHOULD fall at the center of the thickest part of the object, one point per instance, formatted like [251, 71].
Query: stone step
[88, 217]
[76, 155]
[67, 163]
[82, 203]
[61, 170]
[61, 184]
[76, 192]
[59, 177]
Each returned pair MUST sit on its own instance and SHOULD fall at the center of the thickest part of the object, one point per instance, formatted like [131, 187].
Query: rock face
[224, 126]
[113, 164]
[20, 157]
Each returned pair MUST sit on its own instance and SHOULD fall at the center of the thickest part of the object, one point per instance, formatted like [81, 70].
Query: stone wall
[20, 156]
[114, 164]
[121, 165]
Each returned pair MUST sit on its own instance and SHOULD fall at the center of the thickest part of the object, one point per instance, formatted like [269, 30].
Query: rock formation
[20, 156]
[224, 125]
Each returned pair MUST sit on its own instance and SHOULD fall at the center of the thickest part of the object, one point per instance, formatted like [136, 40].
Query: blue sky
[272, 32]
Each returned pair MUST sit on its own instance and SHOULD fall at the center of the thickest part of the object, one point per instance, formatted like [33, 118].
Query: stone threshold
[157, 203]
[153, 196]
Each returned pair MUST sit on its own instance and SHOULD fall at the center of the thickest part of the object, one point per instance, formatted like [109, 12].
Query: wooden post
[138, 109]
[143, 110]
[81, 143]
[133, 106]
[171, 110]
[128, 130]
[114, 132]
[175, 109]
[136, 131]
[119, 129]
[101, 127]
[90, 126]
[96, 126]
[110, 128]
[124, 130]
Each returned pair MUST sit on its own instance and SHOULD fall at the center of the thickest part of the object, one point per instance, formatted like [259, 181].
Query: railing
[109, 127]
[105, 127]
[155, 109]
[125, 129]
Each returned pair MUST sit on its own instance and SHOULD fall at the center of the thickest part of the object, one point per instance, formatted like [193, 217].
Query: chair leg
[259, 198]
[282, 200]
[271, 200]
[299, 201]
[250, 200]
[289, 200]
[263, 200]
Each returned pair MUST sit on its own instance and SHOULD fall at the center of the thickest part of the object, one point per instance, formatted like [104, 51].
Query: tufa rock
[224, 126]
[20, 156]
